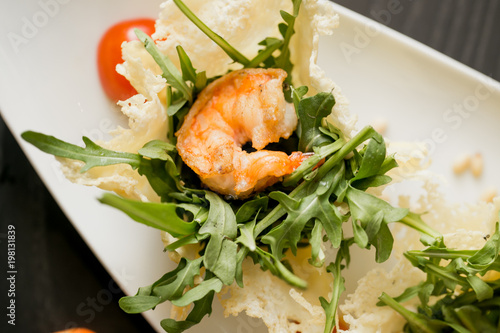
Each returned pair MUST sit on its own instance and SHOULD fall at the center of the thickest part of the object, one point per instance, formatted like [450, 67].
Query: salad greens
[304, 207]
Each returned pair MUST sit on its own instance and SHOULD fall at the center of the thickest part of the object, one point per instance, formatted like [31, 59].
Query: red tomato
[76, 330]
[109, 54]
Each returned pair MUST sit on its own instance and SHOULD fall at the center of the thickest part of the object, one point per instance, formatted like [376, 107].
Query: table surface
[61, 279]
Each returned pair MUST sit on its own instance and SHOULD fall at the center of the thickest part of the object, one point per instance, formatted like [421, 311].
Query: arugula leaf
[230, 51]
[201, 308]
[220, 253]
[469, 311]
[246, 235]
[138, 303]
[315, 239]
[225, 266]
[162, 182]
[372, 159]
[160, 216]
[189, 72]
[170, 72]
[145, 299]
[287, 275]
[173, 288]
[338, 286]
[488, 254]
[157, 149]
[93, 155]
[250, 208]
[373, 214]
[271, 45]
[311, 111]
[187, 240]
[287, 31]
[314, 206]
[207, 286]
[307, 166]
[417, 322]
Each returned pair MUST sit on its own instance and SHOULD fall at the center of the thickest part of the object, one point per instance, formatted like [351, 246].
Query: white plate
[49, 84]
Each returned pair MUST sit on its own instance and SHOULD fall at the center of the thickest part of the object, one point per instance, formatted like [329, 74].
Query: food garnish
[307, 205]
[109, 54]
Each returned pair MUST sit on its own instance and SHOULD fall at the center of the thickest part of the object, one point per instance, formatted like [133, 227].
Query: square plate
[49, 84]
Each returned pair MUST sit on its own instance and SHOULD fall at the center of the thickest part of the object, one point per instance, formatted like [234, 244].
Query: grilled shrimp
[242, 106]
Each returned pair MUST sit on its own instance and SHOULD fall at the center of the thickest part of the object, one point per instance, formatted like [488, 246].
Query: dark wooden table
[59, 277]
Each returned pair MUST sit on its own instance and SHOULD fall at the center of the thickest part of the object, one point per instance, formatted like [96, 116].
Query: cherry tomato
[109, 54]
[76, 330]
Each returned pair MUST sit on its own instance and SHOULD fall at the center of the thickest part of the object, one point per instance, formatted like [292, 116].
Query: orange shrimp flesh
[242, 106]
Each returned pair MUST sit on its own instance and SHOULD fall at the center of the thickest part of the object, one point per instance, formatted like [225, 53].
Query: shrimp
[242, 106]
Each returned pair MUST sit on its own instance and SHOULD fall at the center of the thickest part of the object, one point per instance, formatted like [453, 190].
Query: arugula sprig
[265, 57]
[474, 309]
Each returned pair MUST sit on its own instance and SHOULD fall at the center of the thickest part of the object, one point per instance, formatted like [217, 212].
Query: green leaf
[225, 266]
[288, 276]
[221, 226]
[372, 159]
[230, 51]
[238, 276]
[283, 60]
[145, 299]
[430, 236]
[317, 255]
[374, 214]
[174, 287]
[360, 236]
[338, 288]
[250, 208]
[162, 176]
[246, 237]
[482, 289]
[175, 107]
[201, 308]
[489, 253]
[417, 322]
[363, 135]
[473, 319]
[138, 304]
[187, 240]
[200, 291]
[307, 166]
[93, 155]
[170, 72]
[271, 45]
[311, 111]
[373, 181]
[316, 205]
[161, 216]
[188, 71]
[364, 206]
[157, 149]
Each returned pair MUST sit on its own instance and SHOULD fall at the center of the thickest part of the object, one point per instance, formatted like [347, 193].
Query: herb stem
[276, 213]
[230, 51]
[281, 60]
[444, 254]
[411, 317]
[171, 135]
[363, 135]
[420, 226]
[312, 161]
[264, 55]
[338, 289]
